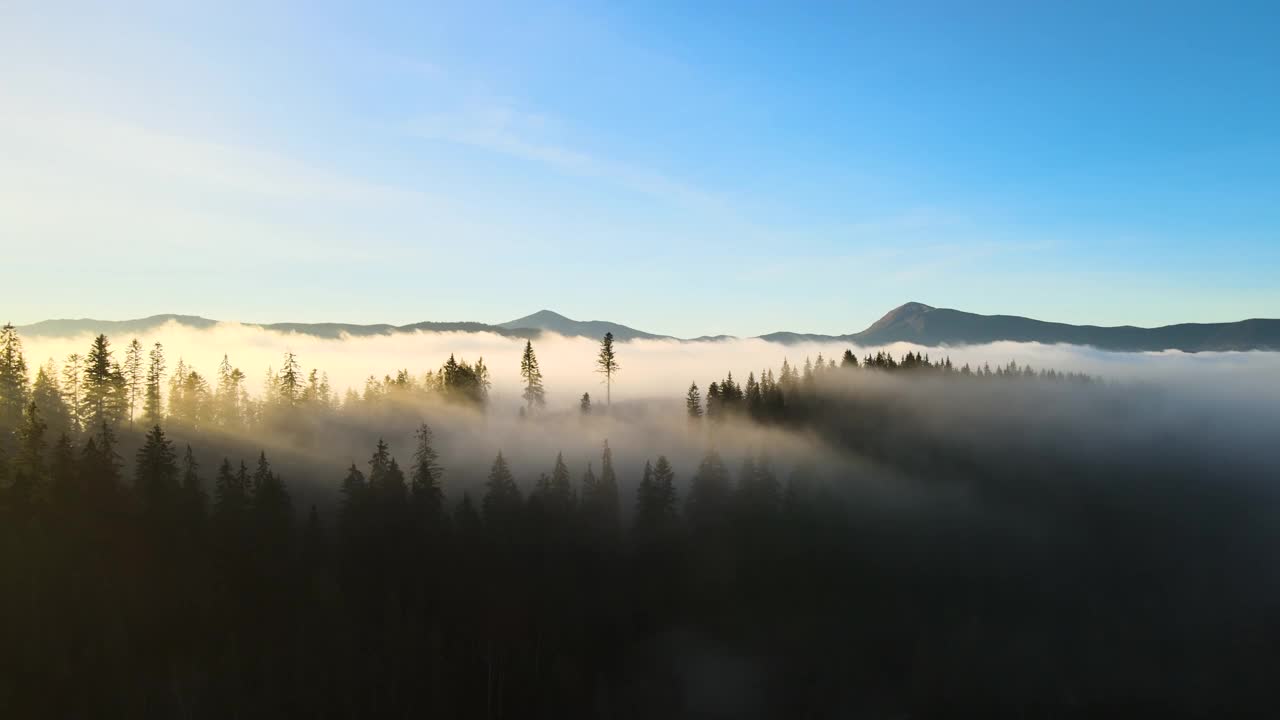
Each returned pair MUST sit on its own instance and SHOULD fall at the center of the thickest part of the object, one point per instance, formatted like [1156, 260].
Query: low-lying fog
[1219, 409]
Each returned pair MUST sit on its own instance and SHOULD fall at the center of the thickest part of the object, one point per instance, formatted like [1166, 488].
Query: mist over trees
[886, 536]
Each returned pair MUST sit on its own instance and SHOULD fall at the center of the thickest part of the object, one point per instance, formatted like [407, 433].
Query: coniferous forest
[856, 537]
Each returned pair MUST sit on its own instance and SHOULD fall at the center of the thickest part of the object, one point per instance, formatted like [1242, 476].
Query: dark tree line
[793, 395]
[161, 588]
[182, 583]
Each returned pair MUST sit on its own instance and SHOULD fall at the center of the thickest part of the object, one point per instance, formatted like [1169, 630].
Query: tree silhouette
[152, 411]
[607, 365]
[13, 381]
[425, 487]
[693, 402]
[502, 500]
[534, 395]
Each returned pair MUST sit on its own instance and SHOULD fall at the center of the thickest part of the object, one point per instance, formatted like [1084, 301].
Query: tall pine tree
[534, 394]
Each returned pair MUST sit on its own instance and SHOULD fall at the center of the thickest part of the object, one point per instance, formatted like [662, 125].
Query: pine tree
[502, 500]
[13, 381]
[71, 383]
[645, 500]
[271, 506]
[656, 497]
[559, 491]
[395, 490]
[483, 382]
[46, 393]
[607, 365]
[152, 410]
[289, 381]
[754, 398]
[230, 495]
[133, 377]
[156, 477]
[103, 397]
[29, 460]
[693, 402]
[849, 360]
[230, 398]
[379, 466]
[355, 492]
[100, 469]
[427, 494]
[713, 401]
[664, 483]
[600, 498]
[534, 395]
[590, 487]
[584, 405]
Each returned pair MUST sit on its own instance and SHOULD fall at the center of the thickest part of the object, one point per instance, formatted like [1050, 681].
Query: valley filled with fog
[754, 526]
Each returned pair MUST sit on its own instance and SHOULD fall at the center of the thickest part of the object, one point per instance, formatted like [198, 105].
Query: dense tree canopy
[642, 589]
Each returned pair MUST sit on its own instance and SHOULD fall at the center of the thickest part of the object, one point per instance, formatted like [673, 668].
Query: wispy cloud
[502, 128]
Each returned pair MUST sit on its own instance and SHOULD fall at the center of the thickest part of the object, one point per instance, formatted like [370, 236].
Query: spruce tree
[13, 381]
[29, 460]
[156, 477]
[271, 506]
[379, 467]
[134, 378]
[656, 497]
[600, 497]
[100, 470]
[46, 393]
[646, 505]
[71, 382]
[607, 365]
[534, 394]
[230, 496]
[560, 486]
[289, 381]
[152, 410]
[502, 501]
[664, 488]
[693, 402]
[103, 395]
[584, 405]
[355, 492]
[425, 486]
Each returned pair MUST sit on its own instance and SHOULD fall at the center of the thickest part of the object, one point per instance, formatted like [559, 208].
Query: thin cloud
[502, 129]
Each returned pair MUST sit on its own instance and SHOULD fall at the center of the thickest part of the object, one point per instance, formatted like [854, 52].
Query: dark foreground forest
[881, 537]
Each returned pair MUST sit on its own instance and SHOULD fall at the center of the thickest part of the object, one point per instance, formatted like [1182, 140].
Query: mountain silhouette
[557, 323]
[911, 322]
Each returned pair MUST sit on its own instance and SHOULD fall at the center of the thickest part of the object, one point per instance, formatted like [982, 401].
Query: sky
[683, 168]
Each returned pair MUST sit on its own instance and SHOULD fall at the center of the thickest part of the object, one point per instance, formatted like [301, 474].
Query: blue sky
[685, 168]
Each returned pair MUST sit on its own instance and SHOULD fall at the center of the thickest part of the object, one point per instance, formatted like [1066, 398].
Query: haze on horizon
[716, 169]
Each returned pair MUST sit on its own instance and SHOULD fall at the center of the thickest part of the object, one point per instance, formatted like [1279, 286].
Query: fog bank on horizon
[649, 368]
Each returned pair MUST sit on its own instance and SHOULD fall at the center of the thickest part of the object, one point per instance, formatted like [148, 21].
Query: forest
[875, 537]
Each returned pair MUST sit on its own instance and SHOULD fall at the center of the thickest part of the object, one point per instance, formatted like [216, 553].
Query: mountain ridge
[912, 322]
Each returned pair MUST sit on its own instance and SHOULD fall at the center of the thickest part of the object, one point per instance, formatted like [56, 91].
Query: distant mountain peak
[905, 312]
[912, 322]
[552, 321]
[542, 316]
